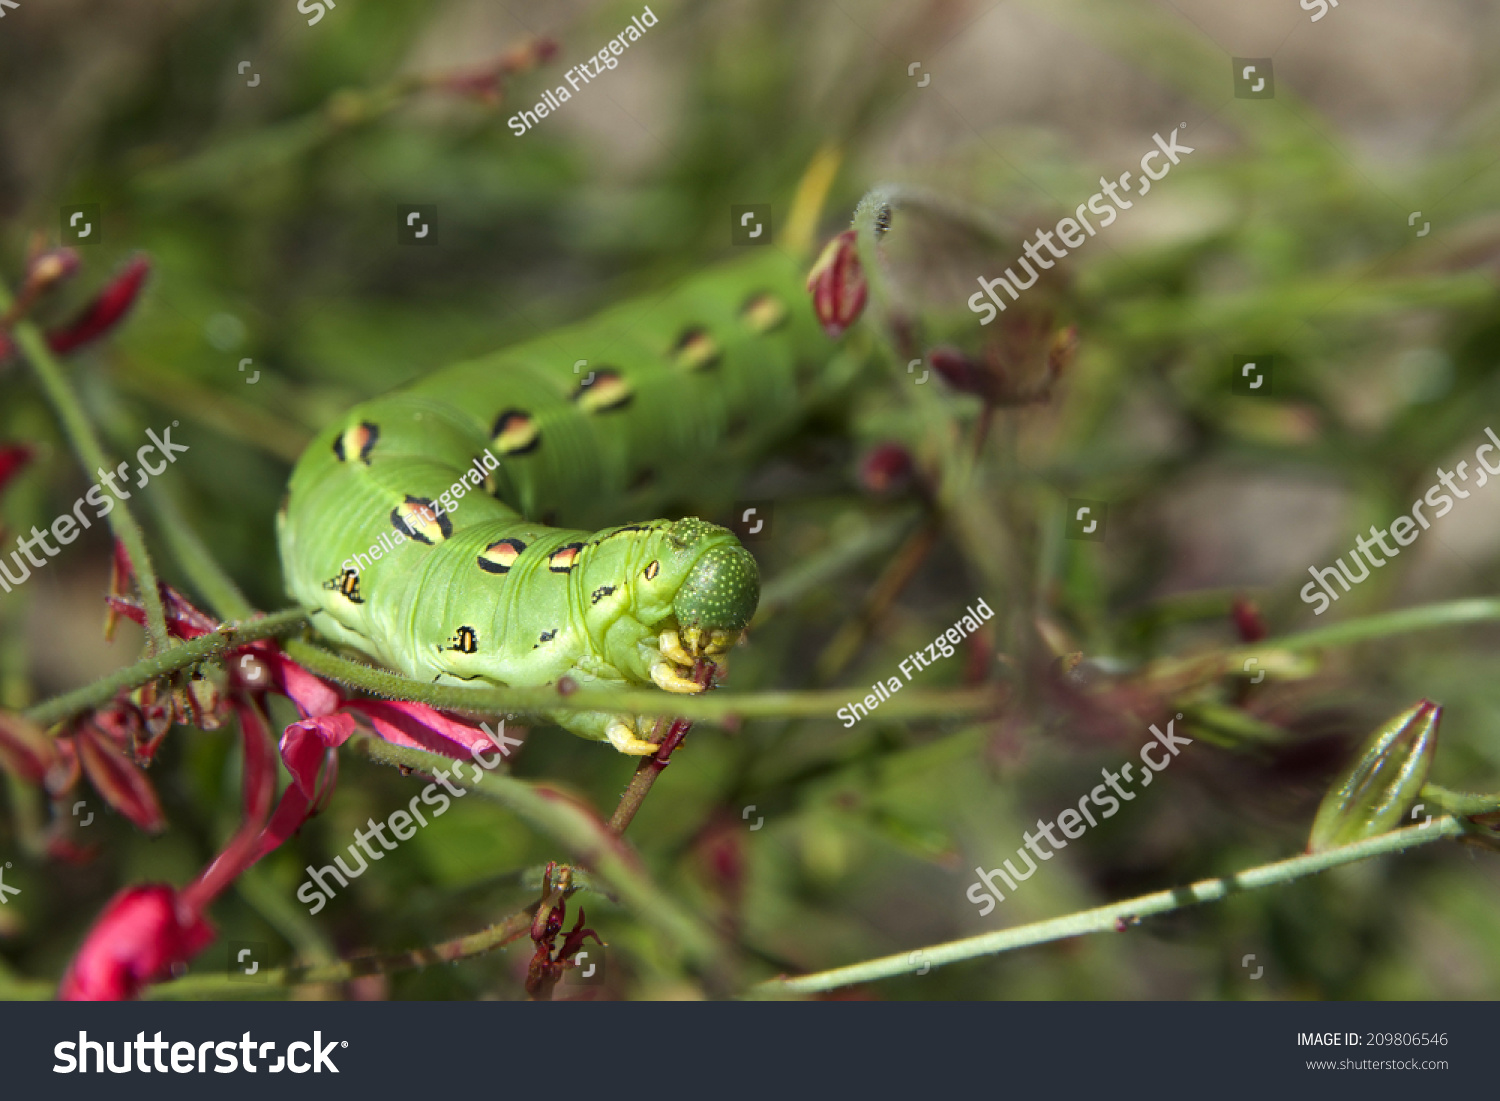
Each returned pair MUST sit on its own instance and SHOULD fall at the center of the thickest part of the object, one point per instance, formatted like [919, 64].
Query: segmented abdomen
[404, 514]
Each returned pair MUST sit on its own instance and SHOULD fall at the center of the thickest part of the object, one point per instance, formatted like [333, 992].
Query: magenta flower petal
[141, 934]
[418, 726]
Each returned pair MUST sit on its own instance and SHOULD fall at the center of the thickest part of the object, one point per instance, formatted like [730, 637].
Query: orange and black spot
[763, 312]
[418, 518]
[563, 559]
[500, 557]
[695, 350]
[605, 392]
[465, 641]
[355, 444]
[652, 569]
[516, 433]
[346, 584]
[600, 593]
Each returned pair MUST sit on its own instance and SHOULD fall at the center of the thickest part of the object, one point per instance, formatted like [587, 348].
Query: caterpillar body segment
[418, 525]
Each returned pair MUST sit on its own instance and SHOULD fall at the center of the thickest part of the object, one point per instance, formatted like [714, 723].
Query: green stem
[1105, 918]
[449, 951]
[578, 829]
[1462, 803]
[91, 453]
[1421, 618]
[711, 706]
[227, 637]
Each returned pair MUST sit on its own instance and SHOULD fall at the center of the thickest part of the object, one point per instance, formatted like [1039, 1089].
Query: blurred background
[1346, 226]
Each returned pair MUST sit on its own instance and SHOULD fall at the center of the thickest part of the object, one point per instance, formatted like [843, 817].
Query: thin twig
[227, 637]
[91, 454]
[645, 776]
[512, 928]
[1116, 915]
[711, 706]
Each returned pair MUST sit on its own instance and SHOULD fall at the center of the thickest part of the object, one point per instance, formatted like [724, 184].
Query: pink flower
[138, 938]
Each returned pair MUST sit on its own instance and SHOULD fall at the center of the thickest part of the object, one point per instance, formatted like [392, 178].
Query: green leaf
[1372, 794]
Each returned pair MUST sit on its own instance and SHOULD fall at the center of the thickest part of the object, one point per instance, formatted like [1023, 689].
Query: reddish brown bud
[837, 283]
[1247, 620]
[965, 375]
[886, 469]
[12, 458]
[106, 311]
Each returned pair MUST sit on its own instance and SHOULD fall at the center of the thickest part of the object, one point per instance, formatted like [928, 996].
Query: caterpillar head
[719, 591]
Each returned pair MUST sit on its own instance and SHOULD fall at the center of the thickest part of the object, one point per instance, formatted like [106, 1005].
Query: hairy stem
[579, 830]
[91, 454]
[710, 706]
[227, 637]
[1107, 918]
[512, 928]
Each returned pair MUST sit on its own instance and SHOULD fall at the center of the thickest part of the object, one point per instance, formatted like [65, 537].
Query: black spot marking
[357, 442]
[418, 518]
[500, 556]
[545, 636]
[466, 641]
[516, 433]
[600, 593]
[695, 350]
[346, 584]
[564, 558]
[606, 392]
[763, 312]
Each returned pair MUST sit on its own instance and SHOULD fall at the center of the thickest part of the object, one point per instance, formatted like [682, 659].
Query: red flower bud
[838, 286]
[105, 311]
[1247, 620]
[12, 458]
[140, 936]
[886, 469]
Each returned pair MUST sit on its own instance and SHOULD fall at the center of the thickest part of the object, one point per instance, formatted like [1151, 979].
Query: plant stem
[227, 637]
[583, 833]
[710, 706]
[1105, 918]
[91, 454]
[645, 776]
[1421, 618]
[514, 927]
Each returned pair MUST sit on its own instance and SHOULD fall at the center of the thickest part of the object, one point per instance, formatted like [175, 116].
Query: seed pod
[1371, 796]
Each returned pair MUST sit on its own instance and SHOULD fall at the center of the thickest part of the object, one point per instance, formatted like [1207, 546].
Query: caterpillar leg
[621, 735]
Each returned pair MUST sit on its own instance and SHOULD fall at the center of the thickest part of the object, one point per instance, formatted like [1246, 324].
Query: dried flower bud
[46, 269]
[837, 283]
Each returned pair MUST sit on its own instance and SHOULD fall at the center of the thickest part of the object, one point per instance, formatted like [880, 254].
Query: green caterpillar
[417, 525]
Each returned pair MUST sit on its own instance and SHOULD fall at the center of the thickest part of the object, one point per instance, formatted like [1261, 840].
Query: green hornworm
[417, 525]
